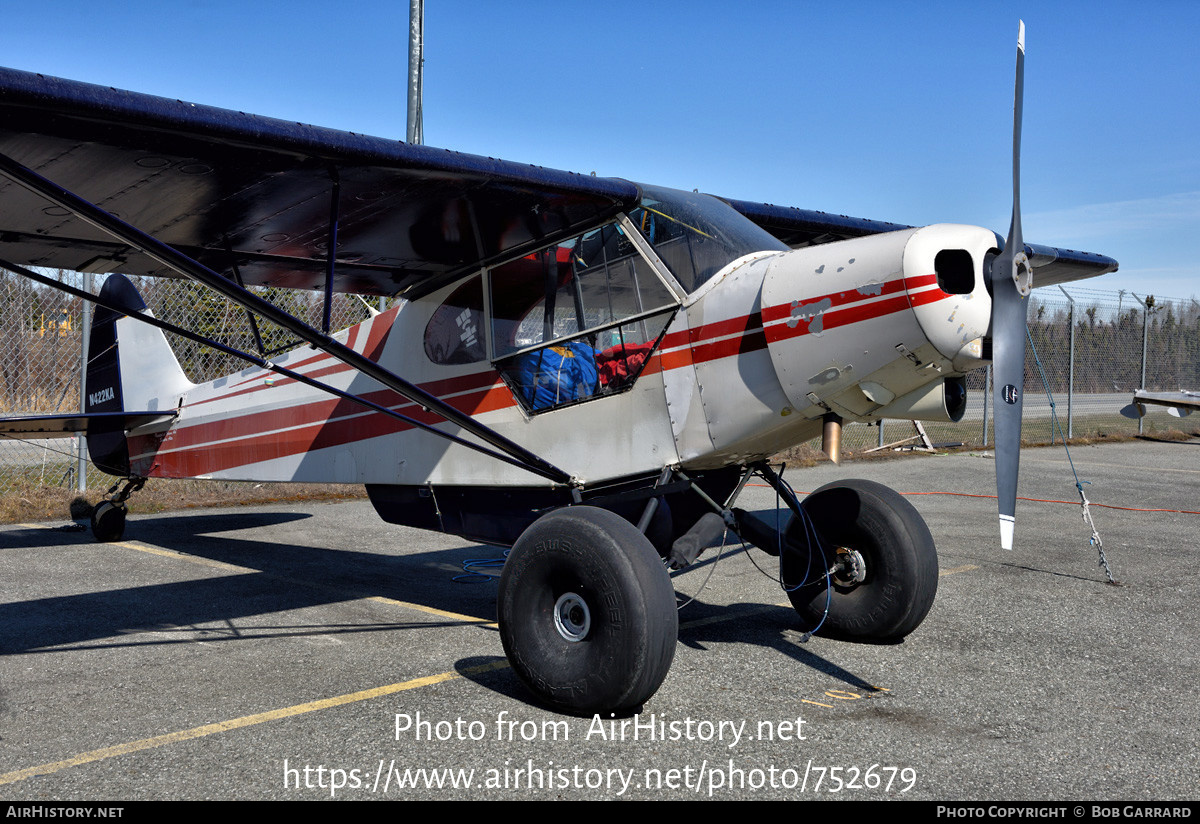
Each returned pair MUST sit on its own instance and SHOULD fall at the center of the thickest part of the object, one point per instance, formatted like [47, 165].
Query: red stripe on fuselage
[279, 433]
[215, 446]
[465, 392]
[380, 329]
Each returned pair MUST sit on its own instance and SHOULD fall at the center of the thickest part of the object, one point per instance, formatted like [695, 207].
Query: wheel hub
[572, 618]
[850, 568]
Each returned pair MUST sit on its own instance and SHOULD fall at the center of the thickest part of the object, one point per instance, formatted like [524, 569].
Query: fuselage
[677, 335]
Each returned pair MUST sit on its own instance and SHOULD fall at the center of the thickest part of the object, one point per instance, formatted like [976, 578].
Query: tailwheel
[108, 516]
[879, 556]
[587, 612]
[108, 521]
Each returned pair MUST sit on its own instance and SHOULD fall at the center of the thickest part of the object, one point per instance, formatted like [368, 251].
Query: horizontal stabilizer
[65, 426]
[1179, 404]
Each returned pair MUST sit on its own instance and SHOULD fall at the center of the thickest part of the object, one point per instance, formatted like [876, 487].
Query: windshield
[697, 235]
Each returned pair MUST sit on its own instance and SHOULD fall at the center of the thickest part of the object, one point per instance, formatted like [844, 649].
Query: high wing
[802, 227]
[265, 199]
[228, 188]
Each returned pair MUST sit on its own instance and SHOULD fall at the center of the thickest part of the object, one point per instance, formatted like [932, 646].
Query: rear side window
[454, 335]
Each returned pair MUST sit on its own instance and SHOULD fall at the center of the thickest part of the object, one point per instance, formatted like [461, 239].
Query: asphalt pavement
[312, 651]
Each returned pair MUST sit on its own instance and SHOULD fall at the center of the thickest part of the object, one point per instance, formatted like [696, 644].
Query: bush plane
[585, 369]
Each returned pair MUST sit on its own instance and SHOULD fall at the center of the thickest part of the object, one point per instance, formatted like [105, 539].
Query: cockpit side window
[590, 281]
[697, 235]
[577, 320]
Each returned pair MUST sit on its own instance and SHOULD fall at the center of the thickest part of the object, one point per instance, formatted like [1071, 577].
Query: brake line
[812, 539]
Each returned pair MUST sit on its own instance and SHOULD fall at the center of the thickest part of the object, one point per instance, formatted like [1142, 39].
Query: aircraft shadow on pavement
[1171, 441]
[269, 577]
[701, 625]
[278, 577]
[773, 628]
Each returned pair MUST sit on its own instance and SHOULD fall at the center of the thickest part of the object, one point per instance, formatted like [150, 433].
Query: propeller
[1011, 279]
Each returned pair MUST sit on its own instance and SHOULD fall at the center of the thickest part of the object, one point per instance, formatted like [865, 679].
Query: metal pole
[987, 393]
[1145, 338]
[1071, 366]
[331, 260]
[1145, 330]
[85, 331]
[416, 60]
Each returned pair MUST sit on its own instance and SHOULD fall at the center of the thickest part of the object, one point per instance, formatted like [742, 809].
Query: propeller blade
[1011, 279]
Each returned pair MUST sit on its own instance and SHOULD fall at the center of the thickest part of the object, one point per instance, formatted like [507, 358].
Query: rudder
[136, 370]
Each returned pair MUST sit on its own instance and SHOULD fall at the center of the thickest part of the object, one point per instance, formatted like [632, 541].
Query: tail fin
[137, 372]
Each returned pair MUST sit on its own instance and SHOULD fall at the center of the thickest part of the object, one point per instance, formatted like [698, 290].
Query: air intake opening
[955, 271]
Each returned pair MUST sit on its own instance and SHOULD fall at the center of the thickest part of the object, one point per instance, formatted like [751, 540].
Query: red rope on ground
[1034, 500]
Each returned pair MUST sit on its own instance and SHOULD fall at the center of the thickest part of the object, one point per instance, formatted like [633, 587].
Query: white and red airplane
[586, 369]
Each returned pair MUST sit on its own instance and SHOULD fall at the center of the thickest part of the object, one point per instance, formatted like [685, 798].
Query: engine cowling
[880, 326]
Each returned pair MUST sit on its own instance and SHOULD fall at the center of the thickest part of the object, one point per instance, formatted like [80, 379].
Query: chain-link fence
[1090, 350]
[40, 361]
[1094, 348]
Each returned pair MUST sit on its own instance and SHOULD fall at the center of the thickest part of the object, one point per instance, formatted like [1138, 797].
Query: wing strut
[190, 268]
[148, 417]
[237, 275]
[331, 245]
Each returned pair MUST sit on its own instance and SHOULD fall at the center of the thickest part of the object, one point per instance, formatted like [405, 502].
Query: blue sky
[895, 111]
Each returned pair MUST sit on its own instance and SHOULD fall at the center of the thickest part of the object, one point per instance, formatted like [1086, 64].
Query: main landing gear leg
[587, 612]
[108, 516]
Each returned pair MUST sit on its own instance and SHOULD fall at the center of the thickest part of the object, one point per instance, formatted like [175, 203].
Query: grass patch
[24, 502]
[857, 440]
[25, 497]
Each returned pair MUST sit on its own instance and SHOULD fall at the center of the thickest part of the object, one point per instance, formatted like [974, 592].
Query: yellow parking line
[244, 721]
[466, 619]
[193, 559]
[957, 569]
[298, 709]
[179, 556]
